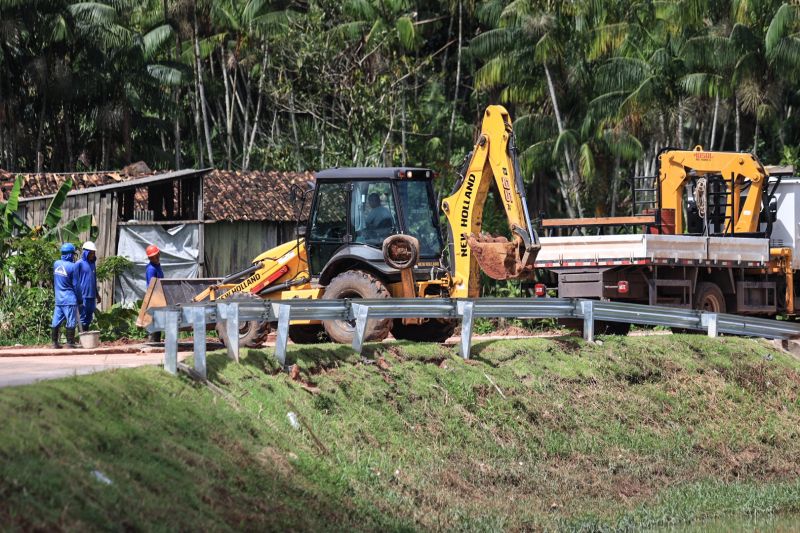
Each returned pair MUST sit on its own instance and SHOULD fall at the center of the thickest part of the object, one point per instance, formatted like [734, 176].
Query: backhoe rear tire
[434, 330]
[356, 284]
[307, 334]
[252, 334]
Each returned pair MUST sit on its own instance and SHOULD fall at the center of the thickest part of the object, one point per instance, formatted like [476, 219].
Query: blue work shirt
[87, 277]
[152, 271]
[65, 281]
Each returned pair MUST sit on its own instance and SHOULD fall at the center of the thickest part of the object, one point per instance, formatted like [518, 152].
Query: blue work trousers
[65, 312]
[87, 311]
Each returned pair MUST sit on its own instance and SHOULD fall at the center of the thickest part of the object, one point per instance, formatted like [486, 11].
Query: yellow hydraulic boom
[493, 159]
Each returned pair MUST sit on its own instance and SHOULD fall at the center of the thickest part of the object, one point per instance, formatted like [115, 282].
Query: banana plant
[52, 229]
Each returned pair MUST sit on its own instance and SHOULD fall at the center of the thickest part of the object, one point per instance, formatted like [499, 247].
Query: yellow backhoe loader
[374, 233]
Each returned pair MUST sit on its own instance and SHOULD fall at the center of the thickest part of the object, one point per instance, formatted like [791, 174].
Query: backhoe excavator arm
[737, 169]
[494, 158]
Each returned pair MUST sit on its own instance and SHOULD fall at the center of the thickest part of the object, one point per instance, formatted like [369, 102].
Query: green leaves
[155, 39]
[53, 215]
[73, 230]
[405, 32]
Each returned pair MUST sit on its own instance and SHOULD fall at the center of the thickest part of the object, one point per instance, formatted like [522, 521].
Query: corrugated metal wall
[231, 246]
[102, 206]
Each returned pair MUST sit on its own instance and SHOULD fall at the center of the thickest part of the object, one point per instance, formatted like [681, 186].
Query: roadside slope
[530, 434]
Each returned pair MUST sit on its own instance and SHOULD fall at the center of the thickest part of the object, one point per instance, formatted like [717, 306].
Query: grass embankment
[535, 433]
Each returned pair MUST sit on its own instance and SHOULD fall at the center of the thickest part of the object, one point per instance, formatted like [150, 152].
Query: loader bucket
[501, 259]
[167, 292]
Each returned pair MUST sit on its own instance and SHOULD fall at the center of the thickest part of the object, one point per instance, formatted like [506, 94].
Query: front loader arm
[493, 158]
[274, 269]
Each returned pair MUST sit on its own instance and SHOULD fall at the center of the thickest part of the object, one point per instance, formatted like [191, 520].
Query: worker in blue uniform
[153, 270]
[87, 284]
[67, 294]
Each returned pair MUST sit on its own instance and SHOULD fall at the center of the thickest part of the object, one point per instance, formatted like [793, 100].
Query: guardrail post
[361, 313]
[229, 312]
[198, 319]
[587, 307]
[171, 319]
[709, 321]
[464, 309]
[284, 313]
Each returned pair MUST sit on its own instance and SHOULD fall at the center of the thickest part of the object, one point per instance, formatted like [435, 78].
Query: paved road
[25, 370]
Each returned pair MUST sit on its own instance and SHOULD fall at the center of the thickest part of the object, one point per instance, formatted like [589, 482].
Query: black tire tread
[370, 287]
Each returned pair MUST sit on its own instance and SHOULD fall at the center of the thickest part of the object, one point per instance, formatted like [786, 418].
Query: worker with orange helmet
[154, 267]
[153, 270]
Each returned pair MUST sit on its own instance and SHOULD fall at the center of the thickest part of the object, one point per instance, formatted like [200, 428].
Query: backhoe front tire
[252, 334]
[434, 330]
[356, 284]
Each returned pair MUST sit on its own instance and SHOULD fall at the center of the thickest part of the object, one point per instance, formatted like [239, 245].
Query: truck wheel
[252, 334]
[307, 334]
[434, 330]
[709, 297]
[356, 284]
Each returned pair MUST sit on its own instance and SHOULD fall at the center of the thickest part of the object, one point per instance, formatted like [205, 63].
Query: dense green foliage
[540, 434]
[597, 87]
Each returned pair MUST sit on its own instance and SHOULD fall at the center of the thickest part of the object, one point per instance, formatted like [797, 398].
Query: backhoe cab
[355, 209]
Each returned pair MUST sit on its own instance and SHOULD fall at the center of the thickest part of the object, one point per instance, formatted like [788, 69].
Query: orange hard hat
[152, 250]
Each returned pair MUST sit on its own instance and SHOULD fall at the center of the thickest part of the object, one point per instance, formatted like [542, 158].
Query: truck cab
[355, 209]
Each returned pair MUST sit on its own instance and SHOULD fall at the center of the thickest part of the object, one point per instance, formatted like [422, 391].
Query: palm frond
[153, 40]
[405, 32]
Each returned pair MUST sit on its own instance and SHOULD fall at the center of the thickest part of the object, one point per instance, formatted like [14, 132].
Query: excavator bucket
[167, 292]
[500, 258]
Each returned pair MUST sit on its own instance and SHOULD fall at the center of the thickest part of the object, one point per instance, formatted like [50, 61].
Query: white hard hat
[89, 245]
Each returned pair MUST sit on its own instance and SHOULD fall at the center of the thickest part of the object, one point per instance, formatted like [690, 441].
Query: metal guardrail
[198, 315]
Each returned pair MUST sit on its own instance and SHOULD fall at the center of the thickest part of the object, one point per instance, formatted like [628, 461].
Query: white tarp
[180, 257]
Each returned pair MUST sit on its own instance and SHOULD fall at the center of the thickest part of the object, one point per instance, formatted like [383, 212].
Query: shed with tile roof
[238, 214]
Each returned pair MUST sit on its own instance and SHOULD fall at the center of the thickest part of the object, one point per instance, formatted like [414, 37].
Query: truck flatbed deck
[647, 249]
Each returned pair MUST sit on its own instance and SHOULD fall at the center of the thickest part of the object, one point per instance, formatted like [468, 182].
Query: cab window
[420, 216]
[330, 219]
[374, 212]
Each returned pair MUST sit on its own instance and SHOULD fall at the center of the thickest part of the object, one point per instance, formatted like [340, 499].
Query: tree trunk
[68, 138]
[724, 136]
[104, 151]
[571, 166]
[297, 155]
[714, 123]
[403, 124]
[40, 136]
[755, 138]
[197, 123]
[457, 82]
[249, 146]
[738, 144]
[200, 86]
[615, 185]
[228, 108]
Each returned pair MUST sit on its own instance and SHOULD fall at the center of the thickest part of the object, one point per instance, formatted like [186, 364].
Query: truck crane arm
[675, 167]
[493, 159]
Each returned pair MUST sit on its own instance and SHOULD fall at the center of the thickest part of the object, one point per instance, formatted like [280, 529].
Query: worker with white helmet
[87, 284]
